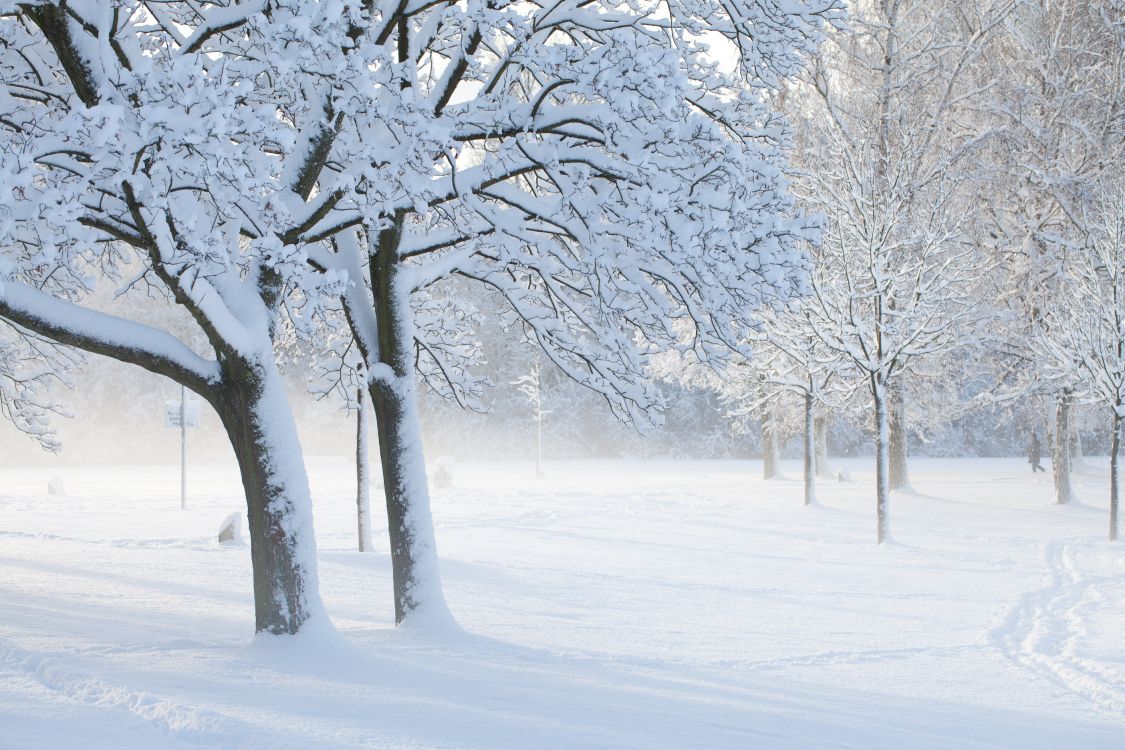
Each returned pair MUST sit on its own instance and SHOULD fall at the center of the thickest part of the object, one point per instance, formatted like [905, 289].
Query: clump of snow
[230, 530]
[56, 486]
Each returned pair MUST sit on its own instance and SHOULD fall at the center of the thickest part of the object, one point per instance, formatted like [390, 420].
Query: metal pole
[183, 449]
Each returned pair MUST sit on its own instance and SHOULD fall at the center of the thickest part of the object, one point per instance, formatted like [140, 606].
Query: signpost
[182, 414]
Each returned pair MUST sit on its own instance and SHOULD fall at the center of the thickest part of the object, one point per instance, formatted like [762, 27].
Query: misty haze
[583, 375]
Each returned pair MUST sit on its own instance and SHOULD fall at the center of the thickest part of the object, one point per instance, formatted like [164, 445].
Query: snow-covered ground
[609, 605]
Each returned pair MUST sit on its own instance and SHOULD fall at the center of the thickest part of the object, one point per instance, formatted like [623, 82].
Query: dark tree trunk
[253, 408]
[822, 468]
[771, 451]
[1060, 451]
[810, 449]
[409, 526]
[898, 477]
[417, 581]
[363, 471]
[1115, 449]
[882, 461]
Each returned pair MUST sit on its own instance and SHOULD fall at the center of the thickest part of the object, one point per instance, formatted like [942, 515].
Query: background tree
[337, 372]
[1082, 337]
[814, 372]
[1059, 105]
[885, 149]
[789, 358]
[530, 386]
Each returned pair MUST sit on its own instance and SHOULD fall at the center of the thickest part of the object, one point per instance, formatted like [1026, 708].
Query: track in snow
[184, 723]
[1041, 632]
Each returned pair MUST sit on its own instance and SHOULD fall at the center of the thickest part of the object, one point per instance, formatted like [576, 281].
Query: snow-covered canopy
[589, 161]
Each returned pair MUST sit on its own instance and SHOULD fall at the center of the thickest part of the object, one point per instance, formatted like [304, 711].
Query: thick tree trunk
[363, 470]
[771, 449]
[822, 469]
[810, 450]
[1114, 450]
[1060, 451]
[417, 581]
[255, 412]
[898, 477]
[414, 563]
[882, 462]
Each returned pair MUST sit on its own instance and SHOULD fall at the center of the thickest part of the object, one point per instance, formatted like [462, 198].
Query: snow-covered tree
[1082, 336]
[337, 372]
[753, 398]
[591, 163]
[816, 373]
[789, 359]
[1060, 101]
[885, 150]
[153, 147]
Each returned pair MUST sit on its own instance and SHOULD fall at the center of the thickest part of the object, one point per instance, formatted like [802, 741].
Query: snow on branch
[589, 161]
[99, 333]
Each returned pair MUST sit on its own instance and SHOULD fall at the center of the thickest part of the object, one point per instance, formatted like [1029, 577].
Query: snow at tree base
[690, 347]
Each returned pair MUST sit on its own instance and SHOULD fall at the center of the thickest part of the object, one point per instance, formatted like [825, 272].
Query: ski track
[1043, 629]
[183, 723]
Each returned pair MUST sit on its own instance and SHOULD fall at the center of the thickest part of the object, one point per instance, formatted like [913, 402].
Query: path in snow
[1046, 630]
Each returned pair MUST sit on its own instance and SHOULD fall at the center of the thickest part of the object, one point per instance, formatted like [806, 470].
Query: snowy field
[610, 605]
